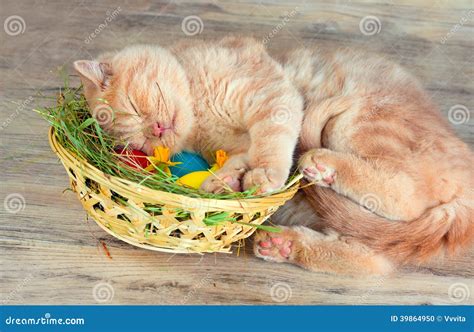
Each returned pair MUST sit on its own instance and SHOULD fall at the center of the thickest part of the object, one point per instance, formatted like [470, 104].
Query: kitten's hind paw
[314, 170]
[275, 247]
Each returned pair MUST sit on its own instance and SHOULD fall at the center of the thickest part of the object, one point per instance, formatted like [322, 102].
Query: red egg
[133, 158]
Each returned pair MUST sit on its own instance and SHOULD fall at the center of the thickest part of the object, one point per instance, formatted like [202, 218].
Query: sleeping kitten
[201, 97]
[371, 137]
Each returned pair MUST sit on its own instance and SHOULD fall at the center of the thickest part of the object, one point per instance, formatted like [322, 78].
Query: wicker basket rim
[148, 194]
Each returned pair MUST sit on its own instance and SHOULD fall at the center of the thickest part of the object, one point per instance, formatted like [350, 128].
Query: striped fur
[372, 137]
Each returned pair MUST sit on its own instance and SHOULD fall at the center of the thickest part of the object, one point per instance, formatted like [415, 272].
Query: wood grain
[50, 252]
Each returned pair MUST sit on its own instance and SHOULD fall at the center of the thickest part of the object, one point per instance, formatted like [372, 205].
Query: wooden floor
[51, 254]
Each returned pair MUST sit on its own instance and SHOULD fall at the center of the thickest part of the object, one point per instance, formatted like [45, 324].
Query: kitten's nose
[157, 130]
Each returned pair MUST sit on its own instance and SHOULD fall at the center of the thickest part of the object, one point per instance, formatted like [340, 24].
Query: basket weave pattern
[152, 219]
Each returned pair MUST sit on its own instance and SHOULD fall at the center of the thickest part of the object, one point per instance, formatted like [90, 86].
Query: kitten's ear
[93, 74]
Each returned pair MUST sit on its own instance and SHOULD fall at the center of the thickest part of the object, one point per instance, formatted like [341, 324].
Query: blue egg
[190, 162]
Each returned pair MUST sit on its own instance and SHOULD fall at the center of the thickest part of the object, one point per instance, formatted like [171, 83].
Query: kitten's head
[139, 95]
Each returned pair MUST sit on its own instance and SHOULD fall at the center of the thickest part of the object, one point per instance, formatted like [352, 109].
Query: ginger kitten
[371, 137]
[201, 97]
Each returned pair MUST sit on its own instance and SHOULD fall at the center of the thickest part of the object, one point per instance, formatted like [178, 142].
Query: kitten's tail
[445, 228]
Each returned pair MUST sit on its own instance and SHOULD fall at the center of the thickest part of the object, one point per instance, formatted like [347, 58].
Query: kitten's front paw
[312, 166]
[264, 179]
[224, 180]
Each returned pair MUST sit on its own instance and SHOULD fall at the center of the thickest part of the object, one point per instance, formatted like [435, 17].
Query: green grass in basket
[82, 135]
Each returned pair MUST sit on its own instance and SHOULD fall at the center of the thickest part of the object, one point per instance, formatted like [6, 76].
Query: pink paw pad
[275, 247]
[285, 252]
[328, 179]
[234, 184]
[265, 244]
[320, 174]
[277, 240]
[310, 172]
[321, 167]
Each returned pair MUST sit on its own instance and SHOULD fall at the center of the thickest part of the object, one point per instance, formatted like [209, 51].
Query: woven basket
[162, 231]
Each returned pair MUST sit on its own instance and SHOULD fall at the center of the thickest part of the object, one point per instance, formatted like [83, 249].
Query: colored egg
[133, 158]
[194, 179]
[190, 162]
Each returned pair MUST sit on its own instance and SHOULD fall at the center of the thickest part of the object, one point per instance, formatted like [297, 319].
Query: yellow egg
[194, 179]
